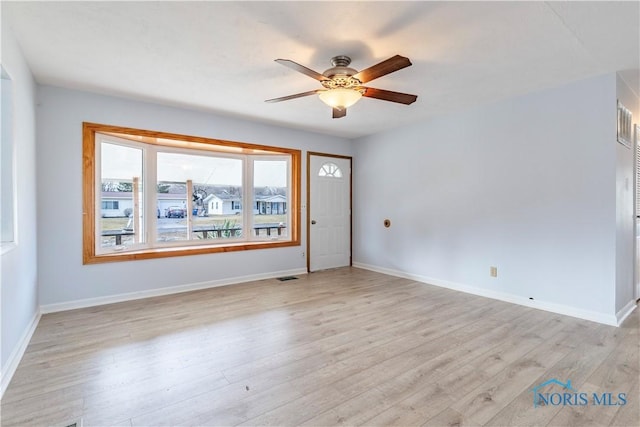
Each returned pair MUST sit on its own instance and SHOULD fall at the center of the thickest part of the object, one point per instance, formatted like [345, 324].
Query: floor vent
[285, 278]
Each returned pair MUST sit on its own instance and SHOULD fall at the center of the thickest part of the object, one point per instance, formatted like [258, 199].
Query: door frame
[335, 156]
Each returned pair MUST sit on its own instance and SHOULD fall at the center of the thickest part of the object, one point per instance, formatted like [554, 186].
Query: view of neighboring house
[271, 205]
[116, 204]
[120, 204]
[222, 204]
[227, 204]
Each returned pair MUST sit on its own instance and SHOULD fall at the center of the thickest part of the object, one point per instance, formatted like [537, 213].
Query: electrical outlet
[302, 254]
[494, 271]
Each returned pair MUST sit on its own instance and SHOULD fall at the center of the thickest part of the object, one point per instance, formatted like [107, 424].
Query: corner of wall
[16, 355]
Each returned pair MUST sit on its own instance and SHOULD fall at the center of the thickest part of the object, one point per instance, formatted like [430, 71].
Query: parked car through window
[175, 212]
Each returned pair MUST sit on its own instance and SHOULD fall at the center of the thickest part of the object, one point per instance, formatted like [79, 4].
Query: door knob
[313, 221]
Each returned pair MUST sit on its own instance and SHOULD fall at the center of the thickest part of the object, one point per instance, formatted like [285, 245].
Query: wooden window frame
[89, 130]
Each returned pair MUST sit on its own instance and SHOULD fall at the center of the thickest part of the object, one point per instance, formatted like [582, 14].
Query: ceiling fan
[343, 86]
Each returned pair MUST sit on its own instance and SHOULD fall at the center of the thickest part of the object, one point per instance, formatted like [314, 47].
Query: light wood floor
[347, 346]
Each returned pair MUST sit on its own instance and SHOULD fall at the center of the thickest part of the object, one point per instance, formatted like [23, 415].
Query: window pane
[270, 198]
[216, 197]
[331, 170]
[122, 196]
[6, 158]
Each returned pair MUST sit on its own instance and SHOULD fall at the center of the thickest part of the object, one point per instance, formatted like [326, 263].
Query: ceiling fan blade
[337, 113]
[392, 64]
[302, 69]
[387, 95]
[297, 95]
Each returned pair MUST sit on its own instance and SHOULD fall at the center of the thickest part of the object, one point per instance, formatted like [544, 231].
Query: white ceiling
[218, 56]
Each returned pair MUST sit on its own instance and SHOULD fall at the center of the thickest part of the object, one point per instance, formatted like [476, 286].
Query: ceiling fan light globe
[340, 98]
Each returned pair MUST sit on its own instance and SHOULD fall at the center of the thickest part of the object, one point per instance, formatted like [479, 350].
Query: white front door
[329, 212]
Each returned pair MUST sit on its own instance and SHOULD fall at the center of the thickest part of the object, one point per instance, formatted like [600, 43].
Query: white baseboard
[625, 312]
[110, 299]
[502, 296]
[16, 355]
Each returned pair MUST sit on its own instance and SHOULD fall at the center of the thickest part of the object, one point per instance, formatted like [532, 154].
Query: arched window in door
[330, 170]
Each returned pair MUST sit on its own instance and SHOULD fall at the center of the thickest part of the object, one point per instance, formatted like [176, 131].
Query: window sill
[7, 247]
[183, 251]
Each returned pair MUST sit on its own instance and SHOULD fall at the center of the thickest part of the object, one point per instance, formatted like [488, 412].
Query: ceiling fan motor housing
[341, 74]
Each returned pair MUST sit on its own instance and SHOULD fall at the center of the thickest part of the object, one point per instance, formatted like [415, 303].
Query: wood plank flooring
[340, 347]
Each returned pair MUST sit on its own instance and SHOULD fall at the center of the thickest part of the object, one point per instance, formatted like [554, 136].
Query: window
[270, 194]
[330, 170]
[169, 195]
[6, 159]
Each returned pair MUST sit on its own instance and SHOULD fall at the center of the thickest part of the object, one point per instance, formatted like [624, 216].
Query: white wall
[19, 297]
[527, 185]
[624, 290]
[63, 278]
